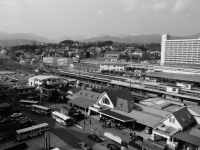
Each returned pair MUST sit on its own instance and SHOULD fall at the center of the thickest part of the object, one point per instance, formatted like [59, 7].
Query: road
[71, 135]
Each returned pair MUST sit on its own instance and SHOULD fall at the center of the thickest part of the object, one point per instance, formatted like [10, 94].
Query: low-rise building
[111, 66]
[40, 79]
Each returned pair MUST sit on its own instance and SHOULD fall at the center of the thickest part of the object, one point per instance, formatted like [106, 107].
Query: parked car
[95, 138]
[113, 147]
[84, 146]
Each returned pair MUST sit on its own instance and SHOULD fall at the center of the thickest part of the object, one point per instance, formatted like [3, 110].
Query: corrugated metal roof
[195, 132]
[196, 109]
[186, 137]
[117, 115]
[141, 117]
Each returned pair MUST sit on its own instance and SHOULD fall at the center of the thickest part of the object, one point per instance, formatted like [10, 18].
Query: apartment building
[180, 51]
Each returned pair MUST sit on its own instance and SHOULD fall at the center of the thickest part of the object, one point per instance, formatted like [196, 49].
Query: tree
[13, 95]
[55, 96]
[87, 55]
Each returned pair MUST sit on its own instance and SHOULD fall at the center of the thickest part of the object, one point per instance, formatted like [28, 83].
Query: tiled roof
[93, 96]
[119, 93]
[183, 116]
[81, 102]
[123, 105]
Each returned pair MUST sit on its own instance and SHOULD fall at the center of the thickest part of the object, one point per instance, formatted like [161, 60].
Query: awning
[186, 137]
[117, 116]
[81, 102]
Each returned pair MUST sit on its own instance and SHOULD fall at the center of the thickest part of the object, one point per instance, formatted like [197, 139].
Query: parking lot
[11, 77]
[37, 143]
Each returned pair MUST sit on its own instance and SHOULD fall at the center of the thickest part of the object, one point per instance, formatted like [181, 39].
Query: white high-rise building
[182, 51]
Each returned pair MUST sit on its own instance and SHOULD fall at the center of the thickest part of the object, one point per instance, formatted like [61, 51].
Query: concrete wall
[164, 38]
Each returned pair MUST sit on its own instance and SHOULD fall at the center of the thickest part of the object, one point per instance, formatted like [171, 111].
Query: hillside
[15, 42]
[28, 36]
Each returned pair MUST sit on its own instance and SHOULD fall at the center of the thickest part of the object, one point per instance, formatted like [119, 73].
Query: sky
[89, 18]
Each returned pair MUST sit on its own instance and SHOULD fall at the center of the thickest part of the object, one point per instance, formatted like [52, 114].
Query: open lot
[8, 77]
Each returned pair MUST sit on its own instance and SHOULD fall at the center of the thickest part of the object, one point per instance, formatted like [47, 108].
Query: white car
[84, 146]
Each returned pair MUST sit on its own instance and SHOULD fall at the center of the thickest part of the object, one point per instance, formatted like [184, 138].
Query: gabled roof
[123, 105]
[89, 95]
[183, 116]
[119, 93]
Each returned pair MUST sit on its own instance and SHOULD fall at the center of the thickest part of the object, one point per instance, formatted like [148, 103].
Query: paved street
[71, 135]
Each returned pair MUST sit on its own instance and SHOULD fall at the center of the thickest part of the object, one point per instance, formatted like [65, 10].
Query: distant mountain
[16, 42]
[107, 38]
[13, 39]
[151, 38]
[196, 36]
[27, 36]
[128, 39]
[141, 39]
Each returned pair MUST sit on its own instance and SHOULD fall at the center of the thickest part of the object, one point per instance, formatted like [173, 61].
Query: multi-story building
[180, 51]
[112, 55]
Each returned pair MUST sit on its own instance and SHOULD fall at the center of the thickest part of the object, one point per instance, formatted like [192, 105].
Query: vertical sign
[47, 141]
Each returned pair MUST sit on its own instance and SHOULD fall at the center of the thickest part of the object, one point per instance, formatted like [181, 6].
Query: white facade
[57, 61]
[182, 51]
[51, 80]
[173, 89]
[115, 67]
[101, 101]
[172, 122]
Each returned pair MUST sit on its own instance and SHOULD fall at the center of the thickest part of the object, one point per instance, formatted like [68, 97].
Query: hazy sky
[56, 18]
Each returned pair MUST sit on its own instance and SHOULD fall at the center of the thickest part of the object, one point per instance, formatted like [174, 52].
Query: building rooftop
[183, 116]
[175, 76]
[141, 117]
[194, 109]
[154, 111]
[163, 129]
[43, 77]
[123, 93]
[89, 95]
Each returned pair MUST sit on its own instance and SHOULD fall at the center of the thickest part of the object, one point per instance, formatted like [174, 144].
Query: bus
[31, 131]
[41, 109]
[27, 103]
[62, 119]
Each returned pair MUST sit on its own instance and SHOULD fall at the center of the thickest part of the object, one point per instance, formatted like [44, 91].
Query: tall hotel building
[183, 51]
